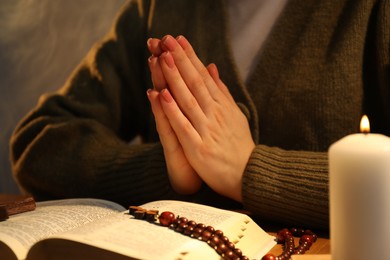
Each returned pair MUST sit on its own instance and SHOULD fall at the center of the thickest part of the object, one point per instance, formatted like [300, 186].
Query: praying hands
[204, 134]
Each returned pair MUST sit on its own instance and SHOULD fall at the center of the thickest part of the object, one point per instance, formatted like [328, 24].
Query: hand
[182, 176]
[211, 129]
[158, 79]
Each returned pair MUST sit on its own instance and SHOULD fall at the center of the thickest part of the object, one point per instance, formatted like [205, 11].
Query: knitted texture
[324, 64]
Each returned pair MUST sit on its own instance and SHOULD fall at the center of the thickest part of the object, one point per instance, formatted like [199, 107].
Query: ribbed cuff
[290, 187]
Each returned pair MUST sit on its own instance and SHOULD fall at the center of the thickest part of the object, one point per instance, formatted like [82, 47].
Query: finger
[182, 176]
[198, 64]
[198, 81]
[213, 70]
[186, 101]
[154, 46]
[158, 78]
[184, 130]
[168, 137]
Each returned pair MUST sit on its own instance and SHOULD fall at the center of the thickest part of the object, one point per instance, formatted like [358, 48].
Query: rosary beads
[286, 237]
[218, 241]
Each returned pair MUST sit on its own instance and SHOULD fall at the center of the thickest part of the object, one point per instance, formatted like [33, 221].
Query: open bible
[100, 229]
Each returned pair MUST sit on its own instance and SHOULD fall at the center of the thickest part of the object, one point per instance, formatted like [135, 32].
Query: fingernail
[152, 60]
[166, 95]
[169, 43]
[167, 56]
[215, 69]
[182, 41]
[148, 42]
[148, 92]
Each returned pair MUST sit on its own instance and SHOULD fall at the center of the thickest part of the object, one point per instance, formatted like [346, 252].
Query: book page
[21, 231]
[239, 228]
[131, 237]
[143, 240]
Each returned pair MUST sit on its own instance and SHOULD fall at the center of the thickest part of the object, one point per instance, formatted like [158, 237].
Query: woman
[304, 86]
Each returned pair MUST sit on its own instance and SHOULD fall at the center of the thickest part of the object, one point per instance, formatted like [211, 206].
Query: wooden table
[321, 246]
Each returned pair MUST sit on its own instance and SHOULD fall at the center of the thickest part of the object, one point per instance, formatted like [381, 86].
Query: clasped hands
[204, 134]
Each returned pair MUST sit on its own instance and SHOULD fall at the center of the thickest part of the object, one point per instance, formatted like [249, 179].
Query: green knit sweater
[325, 64]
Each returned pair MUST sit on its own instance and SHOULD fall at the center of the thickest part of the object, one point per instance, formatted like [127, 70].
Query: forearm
[57, 159]
[291, 186]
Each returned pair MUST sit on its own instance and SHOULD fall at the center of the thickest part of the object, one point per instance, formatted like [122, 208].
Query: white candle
[359, 188]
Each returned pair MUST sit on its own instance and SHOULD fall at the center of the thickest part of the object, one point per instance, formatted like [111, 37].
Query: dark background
[41, 42]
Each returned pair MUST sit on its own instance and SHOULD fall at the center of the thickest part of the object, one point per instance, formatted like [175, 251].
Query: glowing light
[364, 125]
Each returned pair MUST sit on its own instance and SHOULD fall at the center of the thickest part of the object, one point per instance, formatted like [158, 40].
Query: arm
[75, 142]
[288, 186]
[211, 129]
[274, 181]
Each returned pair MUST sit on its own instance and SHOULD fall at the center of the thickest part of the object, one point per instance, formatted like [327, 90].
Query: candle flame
[365, 125]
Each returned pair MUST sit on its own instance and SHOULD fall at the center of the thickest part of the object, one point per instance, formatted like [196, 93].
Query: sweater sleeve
[291, 186]
[270, 186]
[75, 142]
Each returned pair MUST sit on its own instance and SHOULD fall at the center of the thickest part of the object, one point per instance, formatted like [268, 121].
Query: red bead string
[218, 241]
[286, 237]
